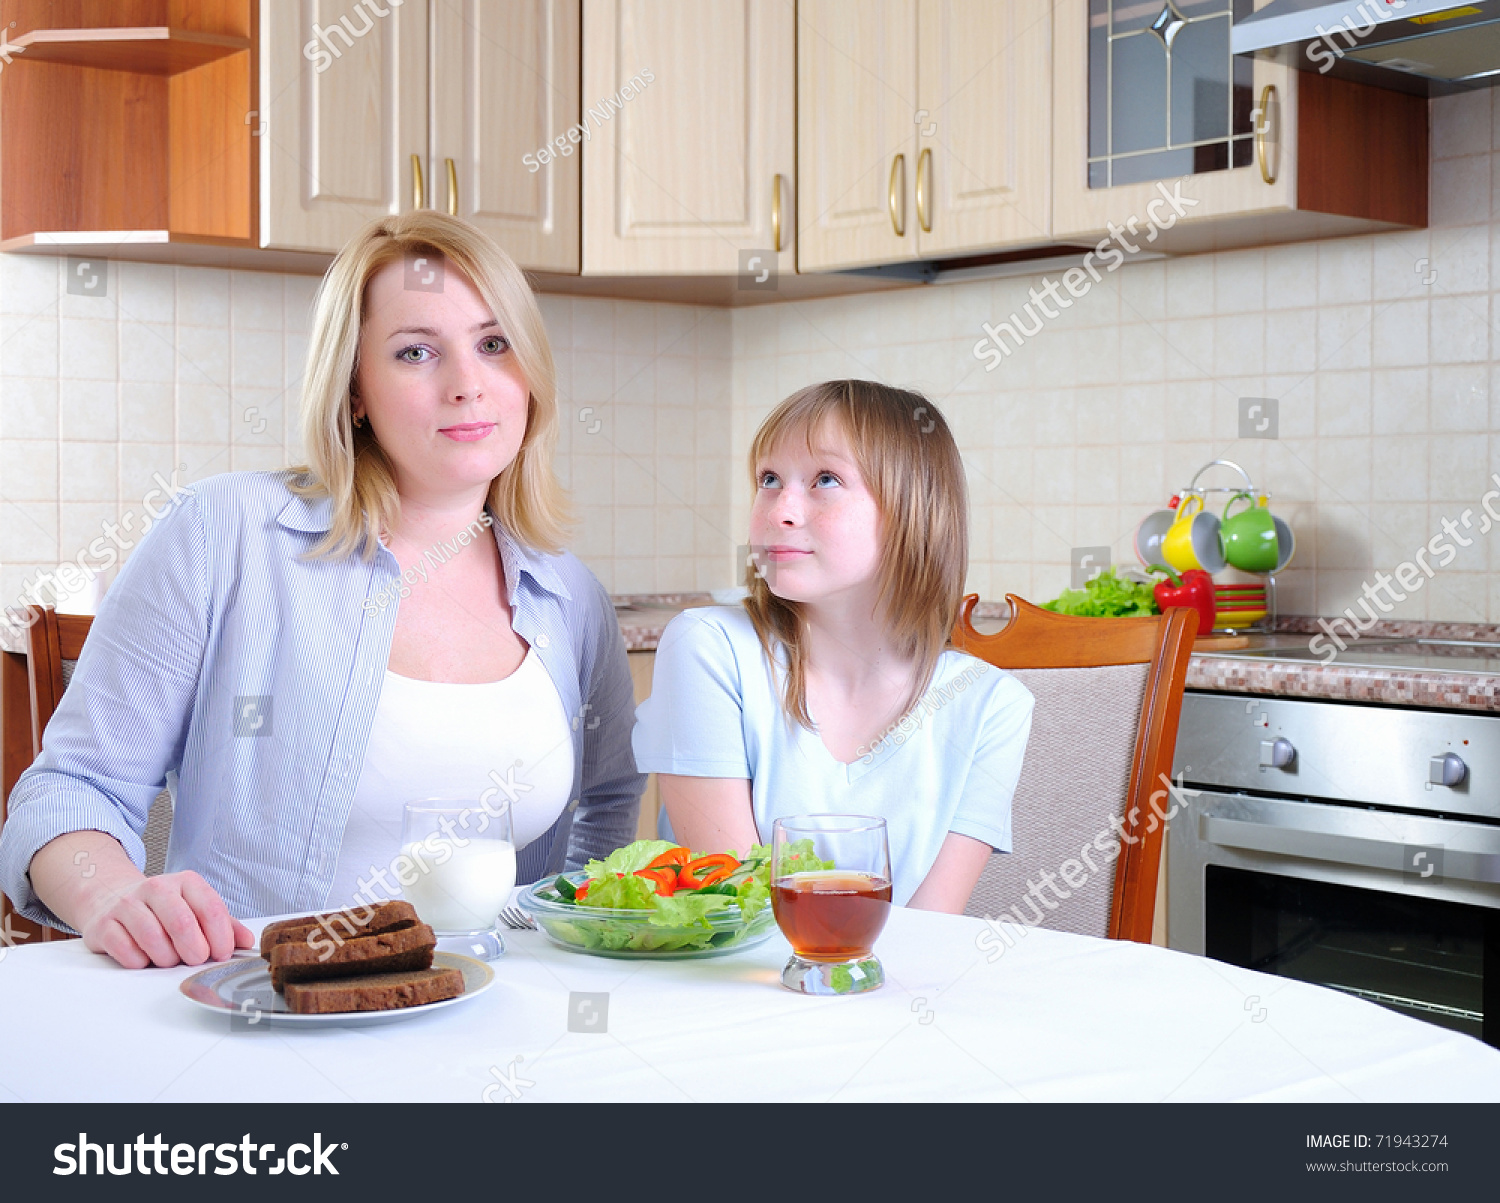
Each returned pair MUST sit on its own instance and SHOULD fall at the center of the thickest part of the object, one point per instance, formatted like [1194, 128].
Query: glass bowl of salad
[656, 900]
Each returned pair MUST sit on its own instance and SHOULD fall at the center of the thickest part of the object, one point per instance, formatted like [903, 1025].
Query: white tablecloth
[1056, 1017]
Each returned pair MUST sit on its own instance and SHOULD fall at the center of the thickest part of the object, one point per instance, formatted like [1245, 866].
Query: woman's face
[439, 385]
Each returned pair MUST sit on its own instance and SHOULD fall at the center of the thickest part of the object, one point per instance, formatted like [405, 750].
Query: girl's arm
[709, 814]
[953, 875]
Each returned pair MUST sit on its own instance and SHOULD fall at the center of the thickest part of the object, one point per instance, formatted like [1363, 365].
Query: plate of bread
[366, 965]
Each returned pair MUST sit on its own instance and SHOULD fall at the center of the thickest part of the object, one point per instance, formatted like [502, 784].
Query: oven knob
[1277, 753]
[1446, 769]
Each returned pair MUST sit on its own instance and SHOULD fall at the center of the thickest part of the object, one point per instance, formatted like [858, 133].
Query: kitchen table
[1051, 1017]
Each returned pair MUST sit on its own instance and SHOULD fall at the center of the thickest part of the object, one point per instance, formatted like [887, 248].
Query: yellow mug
[1177, 543]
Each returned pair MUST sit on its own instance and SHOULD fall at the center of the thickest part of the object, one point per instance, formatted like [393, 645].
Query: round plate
[242, 989]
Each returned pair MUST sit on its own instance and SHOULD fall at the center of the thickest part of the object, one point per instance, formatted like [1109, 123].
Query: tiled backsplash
[195, 371]
[1377, 350]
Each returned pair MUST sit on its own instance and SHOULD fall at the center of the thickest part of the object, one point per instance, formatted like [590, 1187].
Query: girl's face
[439, 385]
[814, 524]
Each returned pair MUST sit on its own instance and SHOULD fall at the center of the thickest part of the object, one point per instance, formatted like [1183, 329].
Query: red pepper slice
[582, 890]
[665, 879]
[706, 870]
[673, 858]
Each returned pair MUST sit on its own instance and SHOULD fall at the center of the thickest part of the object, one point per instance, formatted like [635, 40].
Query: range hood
[1425, 47]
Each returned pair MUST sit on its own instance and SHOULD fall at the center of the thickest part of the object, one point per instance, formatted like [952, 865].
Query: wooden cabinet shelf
[155, 50]
[128, 124]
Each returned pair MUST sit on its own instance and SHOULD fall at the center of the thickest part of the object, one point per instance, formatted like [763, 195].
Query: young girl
[832, 690]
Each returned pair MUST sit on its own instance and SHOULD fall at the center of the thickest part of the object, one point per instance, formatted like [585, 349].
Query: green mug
[1249, 537]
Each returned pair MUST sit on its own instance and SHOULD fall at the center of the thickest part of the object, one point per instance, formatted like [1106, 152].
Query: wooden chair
[53, 644]
[1108, 697]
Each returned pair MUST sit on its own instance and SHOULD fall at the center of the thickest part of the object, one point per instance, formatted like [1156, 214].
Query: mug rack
[1261, 496]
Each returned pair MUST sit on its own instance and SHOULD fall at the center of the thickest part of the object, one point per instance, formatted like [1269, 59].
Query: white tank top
[438, 740]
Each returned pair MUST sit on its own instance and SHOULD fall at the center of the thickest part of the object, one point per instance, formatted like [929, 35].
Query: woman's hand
[175, 919]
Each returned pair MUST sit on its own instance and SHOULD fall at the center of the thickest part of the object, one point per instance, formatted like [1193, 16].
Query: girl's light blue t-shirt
[950, 765]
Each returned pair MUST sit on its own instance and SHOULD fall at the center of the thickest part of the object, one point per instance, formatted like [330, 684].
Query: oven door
[1401, 909]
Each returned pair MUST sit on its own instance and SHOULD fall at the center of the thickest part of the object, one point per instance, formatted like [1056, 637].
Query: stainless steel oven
[1352, 846]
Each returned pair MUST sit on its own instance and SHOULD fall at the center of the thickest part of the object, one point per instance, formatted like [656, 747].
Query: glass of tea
[831, 893]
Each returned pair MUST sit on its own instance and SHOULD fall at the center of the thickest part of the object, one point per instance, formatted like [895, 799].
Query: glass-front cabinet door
[1149, 102]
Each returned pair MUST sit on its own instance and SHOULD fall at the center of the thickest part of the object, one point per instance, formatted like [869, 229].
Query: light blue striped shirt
[215, 612]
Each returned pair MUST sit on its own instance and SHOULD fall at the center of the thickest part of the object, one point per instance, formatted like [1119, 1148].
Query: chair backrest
[53, 644]
[1098, 764]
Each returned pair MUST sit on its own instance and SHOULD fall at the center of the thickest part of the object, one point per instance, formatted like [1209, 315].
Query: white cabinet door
[690, 154]
[505, 83]
[345, 99]
[856, 132]
[984, 170]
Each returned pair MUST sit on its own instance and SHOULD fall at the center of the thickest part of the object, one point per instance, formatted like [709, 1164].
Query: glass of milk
[457, 868]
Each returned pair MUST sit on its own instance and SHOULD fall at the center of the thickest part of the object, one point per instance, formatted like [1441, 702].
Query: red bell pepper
[664, 877]
[1193, 589]
[706, 870]
[673, 858]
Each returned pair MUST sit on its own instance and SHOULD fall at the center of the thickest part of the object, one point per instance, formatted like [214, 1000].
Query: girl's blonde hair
[346, 463]
[911, 464]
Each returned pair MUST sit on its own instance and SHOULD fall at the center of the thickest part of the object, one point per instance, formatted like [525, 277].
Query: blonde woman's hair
[346, 463]
[911, 465]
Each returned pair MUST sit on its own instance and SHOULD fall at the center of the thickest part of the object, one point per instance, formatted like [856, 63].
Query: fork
[516, 919]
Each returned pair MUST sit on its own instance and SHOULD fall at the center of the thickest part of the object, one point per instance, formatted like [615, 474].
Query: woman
[831, 691]
[307, 651]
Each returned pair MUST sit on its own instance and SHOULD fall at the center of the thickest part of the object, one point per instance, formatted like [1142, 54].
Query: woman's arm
[89, 882]
[609, 801]
[709, 814]
[953, 875]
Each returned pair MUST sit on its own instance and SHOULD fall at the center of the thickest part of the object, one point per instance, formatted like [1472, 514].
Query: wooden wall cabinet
[923, 129]
[1312, 157]
[436, 105]
[696, 161]
[125, 122]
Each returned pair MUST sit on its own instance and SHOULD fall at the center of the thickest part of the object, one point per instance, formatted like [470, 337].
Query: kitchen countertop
[1355, 675]
[1370, 670]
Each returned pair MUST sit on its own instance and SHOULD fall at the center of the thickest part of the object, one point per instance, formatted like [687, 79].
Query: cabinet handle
[452, 188]
[897, 164]
[924, 181]
[1263, 131]
[416, 182]
[776, 213]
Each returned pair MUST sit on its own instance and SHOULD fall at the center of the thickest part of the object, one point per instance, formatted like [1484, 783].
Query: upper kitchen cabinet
[923, 128]
[344, 133]
[123, 122]
[508, 85]
[428, 104]
[1150, 104]
[689, 138]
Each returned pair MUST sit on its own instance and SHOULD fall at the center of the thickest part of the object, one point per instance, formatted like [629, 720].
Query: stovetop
[1376, 651]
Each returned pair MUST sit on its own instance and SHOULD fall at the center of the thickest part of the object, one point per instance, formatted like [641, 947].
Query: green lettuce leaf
[688, 907]
[624, 893]
[628, 859]
[1107, 595]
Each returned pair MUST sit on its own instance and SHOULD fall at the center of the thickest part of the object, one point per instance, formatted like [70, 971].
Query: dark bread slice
[376, 992]
[344, 925]
[385, 952]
